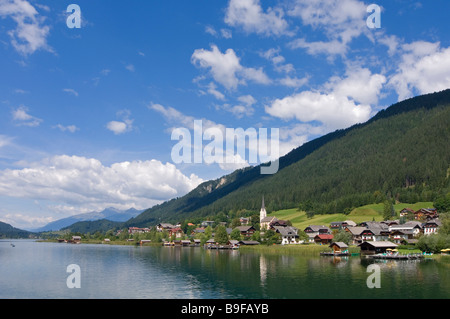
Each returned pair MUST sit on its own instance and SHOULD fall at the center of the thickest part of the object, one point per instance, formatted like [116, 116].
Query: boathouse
[339, 247]
[375, 247]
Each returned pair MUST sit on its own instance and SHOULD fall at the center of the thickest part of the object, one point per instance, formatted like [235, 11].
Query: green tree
[221, 235]
[342, 236]
[235, 222]
[388, 210]
[235, 234]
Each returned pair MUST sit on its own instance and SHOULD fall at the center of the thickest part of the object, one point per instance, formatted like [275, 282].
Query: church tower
[262, 212]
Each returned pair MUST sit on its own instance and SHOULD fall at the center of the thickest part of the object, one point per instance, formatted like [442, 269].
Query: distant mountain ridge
[111, 214]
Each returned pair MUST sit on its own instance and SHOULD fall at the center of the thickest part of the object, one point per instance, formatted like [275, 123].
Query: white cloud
[248, 15]
[130, 67]
[88, 184]
[226, 68]
[340, 20]
[70, 128]
[22, 118]
[424, 67]
[359, 84]
[331, 110]
[30, 34]
[71, 91]
[123, 126]
[293, 82]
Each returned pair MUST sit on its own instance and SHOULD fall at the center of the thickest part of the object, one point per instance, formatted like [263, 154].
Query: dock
[396, 257]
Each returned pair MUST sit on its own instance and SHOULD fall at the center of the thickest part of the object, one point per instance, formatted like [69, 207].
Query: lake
[36, 270]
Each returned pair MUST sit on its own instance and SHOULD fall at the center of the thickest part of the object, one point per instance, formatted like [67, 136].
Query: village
[370, 236]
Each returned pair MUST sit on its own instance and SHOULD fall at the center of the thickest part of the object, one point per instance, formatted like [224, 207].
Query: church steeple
[262, 212]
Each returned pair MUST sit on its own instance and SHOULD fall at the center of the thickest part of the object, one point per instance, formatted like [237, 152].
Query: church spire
[262, 213]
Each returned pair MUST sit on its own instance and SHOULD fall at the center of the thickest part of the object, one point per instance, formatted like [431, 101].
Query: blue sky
[86, 114]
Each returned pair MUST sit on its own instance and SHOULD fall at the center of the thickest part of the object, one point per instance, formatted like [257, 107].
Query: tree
[235, 234]
[388, 210]
[235, 222]
[342, 236]
[221, 235]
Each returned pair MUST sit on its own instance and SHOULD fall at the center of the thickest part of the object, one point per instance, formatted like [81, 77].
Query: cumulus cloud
[249, 15]
[333, 111]
[30, 34]
[424, 68]
[69, 128]
[88, 184]
[226, 68]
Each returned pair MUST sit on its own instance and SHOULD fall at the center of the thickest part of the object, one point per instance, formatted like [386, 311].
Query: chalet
[323, 239]
[431, 226]
[317, 229]
[288, 234]
[137, 230]
[176, 231]
[164, 226]
[338, 225]
[246, 231]
[426, 214]
[356, 233]
[376, 247]
[414, 226]
[233, 243]
[399, 236]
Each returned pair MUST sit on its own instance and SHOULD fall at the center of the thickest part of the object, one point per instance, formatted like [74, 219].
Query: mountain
[111, 214]
[402, 152]
[101, 225]
[8, 231]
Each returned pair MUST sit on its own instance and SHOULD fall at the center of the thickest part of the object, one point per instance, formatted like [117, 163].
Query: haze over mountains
[110, 213]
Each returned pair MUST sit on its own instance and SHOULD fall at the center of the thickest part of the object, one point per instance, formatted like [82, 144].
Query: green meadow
[358, 215]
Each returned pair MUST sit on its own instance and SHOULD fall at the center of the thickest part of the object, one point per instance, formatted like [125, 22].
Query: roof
[249, 242]
[286, 231]
[244, 228]
[356, 230]
[379, 244]
[324, 236]
[340, 244]
[317, 227]
[269, 219]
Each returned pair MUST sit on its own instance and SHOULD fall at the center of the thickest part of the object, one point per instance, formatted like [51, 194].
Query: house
[207, 223]
[176, 231]
[233, 243]
[164, 226]
[337, 225]
[356, 233]
[137, 230]
[426, 214]
[376, 247]
[399, 236]
[323, 239]
[339, 247]
[431, 226]
[313, 230]
[414, 226]
[246, 231]
[76, 239]
[266, 221]
[288, 234]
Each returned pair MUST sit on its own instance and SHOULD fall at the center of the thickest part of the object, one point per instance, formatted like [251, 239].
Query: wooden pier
[396, 257]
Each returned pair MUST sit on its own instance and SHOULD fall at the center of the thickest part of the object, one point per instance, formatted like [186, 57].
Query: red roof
[325, 236]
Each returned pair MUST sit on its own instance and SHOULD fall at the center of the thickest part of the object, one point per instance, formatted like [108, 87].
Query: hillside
[402, 152]
[84, 227]
[8, 231]
[370, 212]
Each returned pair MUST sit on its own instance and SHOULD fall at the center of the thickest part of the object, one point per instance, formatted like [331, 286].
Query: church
[264, 221]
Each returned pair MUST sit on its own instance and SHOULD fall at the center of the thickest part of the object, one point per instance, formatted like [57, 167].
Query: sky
[87, 114]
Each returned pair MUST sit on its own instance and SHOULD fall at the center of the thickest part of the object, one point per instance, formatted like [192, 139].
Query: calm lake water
[39, 270]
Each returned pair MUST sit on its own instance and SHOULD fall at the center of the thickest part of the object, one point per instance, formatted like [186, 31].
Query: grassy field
[358, 215]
